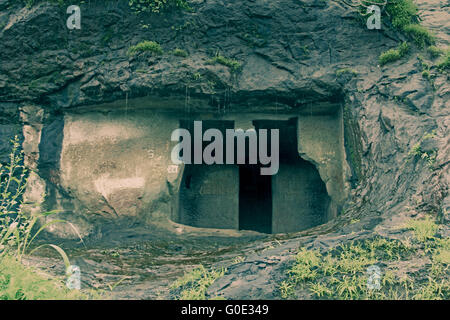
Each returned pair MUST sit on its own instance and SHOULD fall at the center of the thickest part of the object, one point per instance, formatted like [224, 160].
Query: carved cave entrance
[239, 197]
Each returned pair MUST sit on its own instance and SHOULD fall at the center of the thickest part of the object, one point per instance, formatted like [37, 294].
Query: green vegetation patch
[444, 63]
[394, 54]
[146, 46]
[435, 51]
[344, 71]
[423, 229]
[18, 282]
[18, 230]
[180, 53]
[342, 273]
[420, 35]
[193, 285]
[402, 12]
[158, 6]
[419, 153]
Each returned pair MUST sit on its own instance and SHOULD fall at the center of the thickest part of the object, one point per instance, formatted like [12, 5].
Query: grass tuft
[193, 285]
[423, 229]
[180, 53]
[344, 71]
[234, 65]
[444, 63]
[435, 51]
[146, 46]
[420, 35]
[394, 54]
[343, 272]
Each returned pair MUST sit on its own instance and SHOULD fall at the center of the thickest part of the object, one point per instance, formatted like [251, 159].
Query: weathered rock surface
[289, 51]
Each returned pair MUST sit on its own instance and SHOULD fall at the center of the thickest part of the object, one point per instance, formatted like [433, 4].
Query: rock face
[292, 56]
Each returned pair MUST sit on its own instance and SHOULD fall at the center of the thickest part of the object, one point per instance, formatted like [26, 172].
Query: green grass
[234, 65]
[146, 46]
[18, 282]
[420, 35]
[394, 54]
[341, 273]
[193, 285]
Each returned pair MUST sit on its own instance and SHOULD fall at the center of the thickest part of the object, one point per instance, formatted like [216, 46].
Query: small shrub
[419, 34]
[180, 53]
[394, 54]
[146, 46]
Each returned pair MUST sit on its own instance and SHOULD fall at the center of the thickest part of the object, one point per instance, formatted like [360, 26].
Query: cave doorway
[255, 199]
[239, 197]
